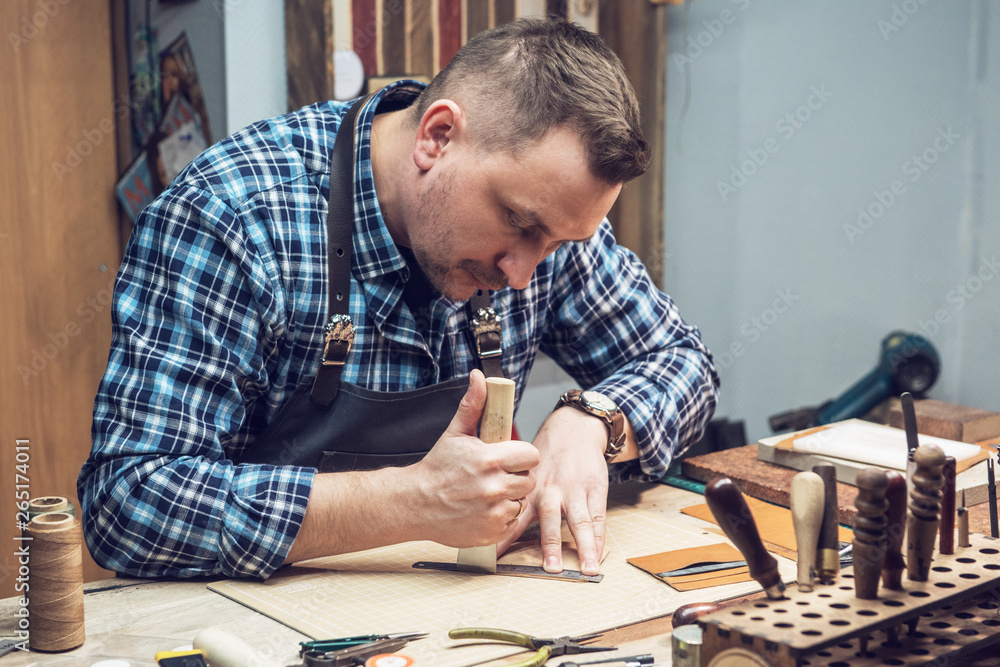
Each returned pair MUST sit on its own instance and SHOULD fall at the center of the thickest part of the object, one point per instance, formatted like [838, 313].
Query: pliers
[546, 648]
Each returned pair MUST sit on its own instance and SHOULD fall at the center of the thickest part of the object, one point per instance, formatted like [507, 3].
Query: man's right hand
[468, 491]
[464, 493]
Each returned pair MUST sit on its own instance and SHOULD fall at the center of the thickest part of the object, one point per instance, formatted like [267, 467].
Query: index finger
[518, 456]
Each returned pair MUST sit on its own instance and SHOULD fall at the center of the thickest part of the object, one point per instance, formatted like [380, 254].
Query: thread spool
[685, 644]
[55, 606]
[48, 504]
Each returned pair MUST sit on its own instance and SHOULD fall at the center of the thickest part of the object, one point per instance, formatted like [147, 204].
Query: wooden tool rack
[955, 613]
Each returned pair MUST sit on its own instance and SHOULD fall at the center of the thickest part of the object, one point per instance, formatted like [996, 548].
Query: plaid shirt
[218, 316]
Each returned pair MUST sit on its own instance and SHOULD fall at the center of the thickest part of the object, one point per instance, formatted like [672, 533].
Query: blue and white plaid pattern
[218, 316]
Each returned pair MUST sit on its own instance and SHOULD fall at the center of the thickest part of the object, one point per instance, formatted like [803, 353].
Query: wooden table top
[133, 619]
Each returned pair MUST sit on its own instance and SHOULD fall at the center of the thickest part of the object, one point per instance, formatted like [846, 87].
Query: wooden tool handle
[827, 553]
[734, 517]
[946, 541]
[806, 498]
[498, 415]
[895, 494]
[495, 425]
[925, 504]
[688, 614]
[868, 553]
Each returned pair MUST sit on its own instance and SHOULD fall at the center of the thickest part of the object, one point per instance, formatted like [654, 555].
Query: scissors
[546, 648]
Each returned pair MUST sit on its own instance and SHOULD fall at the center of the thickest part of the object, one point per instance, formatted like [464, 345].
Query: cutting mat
[378, 591]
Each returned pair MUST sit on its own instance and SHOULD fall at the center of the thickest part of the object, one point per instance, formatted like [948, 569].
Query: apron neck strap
[339, 330]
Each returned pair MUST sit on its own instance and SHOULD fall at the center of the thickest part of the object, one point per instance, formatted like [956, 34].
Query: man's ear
[442, 124]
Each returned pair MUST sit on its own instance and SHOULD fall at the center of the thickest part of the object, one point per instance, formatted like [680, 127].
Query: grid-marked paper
[378, 591]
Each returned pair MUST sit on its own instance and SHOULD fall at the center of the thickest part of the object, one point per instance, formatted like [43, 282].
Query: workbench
[132, 619]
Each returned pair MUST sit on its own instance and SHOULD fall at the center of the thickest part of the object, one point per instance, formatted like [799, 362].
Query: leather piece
[681, 558]
[527, 550]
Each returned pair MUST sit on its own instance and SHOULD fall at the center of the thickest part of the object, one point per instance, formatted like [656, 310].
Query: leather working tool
[946, 531]
[629, 661]
[991, 491]
[925, 506]
[827, 559]
[546, 648]
[351, 656]
[327, 645]
[496, 426]
[529, 571]
[806, 499]
[734, 517]
[702, 568]
[892, 568]
[869, 531]
[910, 427]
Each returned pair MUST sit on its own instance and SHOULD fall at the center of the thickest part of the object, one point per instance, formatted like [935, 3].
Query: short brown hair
[526, 77]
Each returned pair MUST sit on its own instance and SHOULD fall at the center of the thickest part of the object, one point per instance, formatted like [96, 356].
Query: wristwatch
[602, 407]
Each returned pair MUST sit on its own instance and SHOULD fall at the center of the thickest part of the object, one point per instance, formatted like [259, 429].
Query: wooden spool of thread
[47, 504]
[55, 606]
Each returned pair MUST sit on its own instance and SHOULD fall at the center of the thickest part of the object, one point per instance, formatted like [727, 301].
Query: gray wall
[784, 119]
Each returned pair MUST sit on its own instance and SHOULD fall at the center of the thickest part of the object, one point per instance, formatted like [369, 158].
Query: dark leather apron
[335, 426]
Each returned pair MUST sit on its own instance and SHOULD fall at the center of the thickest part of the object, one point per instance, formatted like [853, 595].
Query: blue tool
[328, 645]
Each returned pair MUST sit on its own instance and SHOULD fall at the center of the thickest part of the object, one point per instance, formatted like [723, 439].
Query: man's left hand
[571, 481]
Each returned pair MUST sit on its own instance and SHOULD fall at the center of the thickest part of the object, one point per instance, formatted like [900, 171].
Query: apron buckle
[486, 329]
[339, 338]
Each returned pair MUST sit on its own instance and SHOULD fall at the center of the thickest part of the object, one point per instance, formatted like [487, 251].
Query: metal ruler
[533, 571]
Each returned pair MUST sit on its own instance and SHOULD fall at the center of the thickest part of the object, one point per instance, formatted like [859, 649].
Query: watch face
[600, 401]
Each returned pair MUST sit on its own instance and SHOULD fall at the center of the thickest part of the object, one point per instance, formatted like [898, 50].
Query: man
[497, 177]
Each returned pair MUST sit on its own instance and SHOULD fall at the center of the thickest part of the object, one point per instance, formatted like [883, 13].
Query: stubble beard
[440, 241]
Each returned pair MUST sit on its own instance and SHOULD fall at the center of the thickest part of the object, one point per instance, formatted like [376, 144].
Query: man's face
[485, 221]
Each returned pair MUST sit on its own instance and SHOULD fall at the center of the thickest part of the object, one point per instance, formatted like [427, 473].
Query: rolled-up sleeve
[193, 317]
[615, 332]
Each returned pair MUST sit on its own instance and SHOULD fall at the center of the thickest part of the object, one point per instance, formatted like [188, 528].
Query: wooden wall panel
[504, 12]
[637, 32]
[477, 18]
[309, 51]
[59, 244]
[449, 31]
[419, 38]
[391, 36]
[365, 34]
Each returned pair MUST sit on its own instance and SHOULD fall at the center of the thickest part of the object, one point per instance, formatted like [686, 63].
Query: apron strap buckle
[486, 329]
[339, 338]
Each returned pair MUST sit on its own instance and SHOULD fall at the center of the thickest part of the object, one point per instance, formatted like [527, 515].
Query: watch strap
[614, 420]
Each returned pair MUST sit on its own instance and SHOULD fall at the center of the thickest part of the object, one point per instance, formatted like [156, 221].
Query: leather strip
[340, 234]
[339, 244]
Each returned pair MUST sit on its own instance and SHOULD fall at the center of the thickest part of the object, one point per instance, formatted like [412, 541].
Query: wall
[832, 171]
[255, 61]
